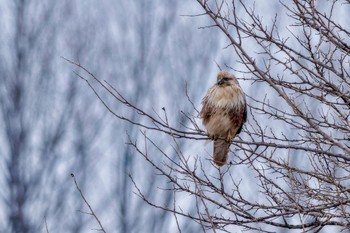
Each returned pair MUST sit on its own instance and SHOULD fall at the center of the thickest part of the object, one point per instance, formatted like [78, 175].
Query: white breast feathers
[226, 97]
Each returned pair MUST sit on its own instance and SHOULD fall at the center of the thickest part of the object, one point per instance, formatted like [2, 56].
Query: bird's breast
[226, 97]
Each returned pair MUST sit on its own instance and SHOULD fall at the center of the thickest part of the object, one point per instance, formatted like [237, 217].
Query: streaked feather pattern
[223, 113]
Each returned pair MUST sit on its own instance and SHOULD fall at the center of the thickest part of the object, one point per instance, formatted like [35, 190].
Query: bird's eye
[225, 79]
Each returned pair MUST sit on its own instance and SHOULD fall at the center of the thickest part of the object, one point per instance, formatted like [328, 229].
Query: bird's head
[225, 78]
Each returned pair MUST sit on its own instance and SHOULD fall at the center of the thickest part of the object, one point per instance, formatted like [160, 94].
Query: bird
[224, 111]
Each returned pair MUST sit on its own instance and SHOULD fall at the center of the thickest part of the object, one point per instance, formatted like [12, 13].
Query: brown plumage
[224, 112]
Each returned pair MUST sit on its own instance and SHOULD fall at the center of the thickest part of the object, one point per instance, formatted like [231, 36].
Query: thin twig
[88, 205]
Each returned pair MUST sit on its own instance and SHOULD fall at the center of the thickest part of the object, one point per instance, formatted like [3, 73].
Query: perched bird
[224, 112]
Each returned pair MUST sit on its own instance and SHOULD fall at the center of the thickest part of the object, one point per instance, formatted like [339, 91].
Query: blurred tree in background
[45, 131]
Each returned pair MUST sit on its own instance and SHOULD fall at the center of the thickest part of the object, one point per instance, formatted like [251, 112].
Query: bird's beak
[220, 81]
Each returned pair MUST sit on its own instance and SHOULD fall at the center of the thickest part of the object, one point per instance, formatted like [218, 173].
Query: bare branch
[88, 205]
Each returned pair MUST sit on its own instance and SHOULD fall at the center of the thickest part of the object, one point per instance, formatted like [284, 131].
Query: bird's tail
[221, 148]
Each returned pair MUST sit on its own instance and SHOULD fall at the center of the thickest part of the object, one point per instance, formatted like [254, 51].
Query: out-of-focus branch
[46, 227]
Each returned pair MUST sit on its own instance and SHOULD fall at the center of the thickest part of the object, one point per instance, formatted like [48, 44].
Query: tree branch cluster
[295, 145]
